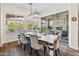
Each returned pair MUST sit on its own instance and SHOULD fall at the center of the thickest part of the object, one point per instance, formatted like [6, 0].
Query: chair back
[56, 43]
[34, 41]
[23, 39]
[22, 36]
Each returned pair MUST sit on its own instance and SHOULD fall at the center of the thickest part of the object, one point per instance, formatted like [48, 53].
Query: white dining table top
[47, 38]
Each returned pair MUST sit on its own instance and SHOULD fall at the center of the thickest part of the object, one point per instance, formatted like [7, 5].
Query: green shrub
[11, 26]
[20, 25]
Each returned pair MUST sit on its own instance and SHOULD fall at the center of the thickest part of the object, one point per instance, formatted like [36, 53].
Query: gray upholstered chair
[23, 40]
[35, 44]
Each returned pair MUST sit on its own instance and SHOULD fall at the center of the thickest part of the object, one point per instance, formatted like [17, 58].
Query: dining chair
[56, 46]
[51, 49]
[23, 41]
[35, 44]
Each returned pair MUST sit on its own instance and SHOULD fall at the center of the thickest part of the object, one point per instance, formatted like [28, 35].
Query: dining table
[44, 39]
[47, 38]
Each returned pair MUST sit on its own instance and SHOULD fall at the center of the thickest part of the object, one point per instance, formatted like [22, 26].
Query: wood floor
[12, 49]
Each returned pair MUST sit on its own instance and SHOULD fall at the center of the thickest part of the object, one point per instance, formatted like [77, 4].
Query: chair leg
[37, 52]
[31, 51]
[24, 47]
[20, 45]
[56, 53]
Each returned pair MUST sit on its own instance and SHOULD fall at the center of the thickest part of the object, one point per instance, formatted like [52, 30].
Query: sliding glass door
[58, 23]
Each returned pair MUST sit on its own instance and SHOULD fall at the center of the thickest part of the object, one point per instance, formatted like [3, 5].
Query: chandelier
[34, 13]
[34, 16]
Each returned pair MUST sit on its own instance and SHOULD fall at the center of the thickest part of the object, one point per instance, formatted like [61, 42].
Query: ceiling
[39, 6]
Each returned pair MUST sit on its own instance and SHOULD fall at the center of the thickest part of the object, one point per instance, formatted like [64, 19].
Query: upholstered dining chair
[35, 44]
[23, 40]
[56, 46]
[51, 49]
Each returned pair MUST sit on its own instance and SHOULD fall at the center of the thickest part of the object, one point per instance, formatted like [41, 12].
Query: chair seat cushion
[37, 47]
[24, 41]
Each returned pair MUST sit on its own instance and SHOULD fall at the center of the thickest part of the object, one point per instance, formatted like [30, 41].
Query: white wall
[10, 9]
[73, 27]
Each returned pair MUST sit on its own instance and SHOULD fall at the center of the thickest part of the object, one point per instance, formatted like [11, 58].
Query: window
[11, 26]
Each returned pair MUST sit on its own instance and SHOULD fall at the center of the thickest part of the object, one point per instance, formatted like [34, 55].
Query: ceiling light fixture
[34, 13]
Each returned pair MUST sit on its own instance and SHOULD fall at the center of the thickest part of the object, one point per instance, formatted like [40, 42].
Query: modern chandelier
[34, 13]
[35, 16]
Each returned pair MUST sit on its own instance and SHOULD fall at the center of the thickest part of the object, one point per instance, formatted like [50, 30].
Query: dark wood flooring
[12, 49]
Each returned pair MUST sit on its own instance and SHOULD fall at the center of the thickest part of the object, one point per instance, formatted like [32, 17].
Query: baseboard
[69, 47]
[7, 41]
[74, 49]
[10, 44]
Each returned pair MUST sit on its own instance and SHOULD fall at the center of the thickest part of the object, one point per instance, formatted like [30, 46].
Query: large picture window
[14, 23]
